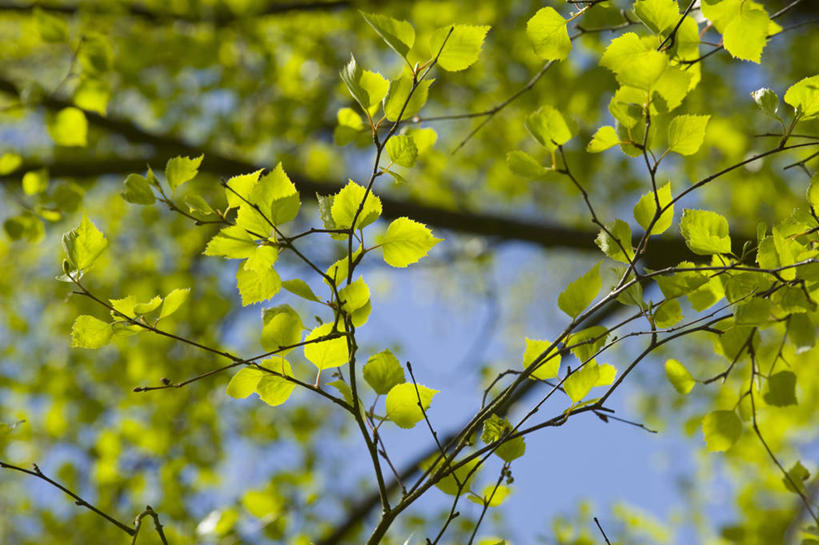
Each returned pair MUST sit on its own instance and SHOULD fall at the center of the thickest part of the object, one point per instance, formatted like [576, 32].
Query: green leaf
[403, 403]
[721, 429]
[83, 245]
[299, 287]
[9, 162]
[402, 150]
[658, 15]
[344, 389]
[678, 375]
[604, 138]
[494, 428]
[356, 297]
[95, 55]
[406, 241]
[672, 87]
[745, 35]
[613, 244]
[35, 181]
[367, 88]
[456, 482]
[137, 190]
[705, 232]
[326, 354]
[580, 293]
[549, 127]
[546, 369]
[767, 101]
[179, 170]
[383, 371]
[587, 342]
[606, 374]
[754, 311]
[398, 34]
[801, 332]
[492, 497]
[238, 188]
[633, 62]
[50, 27]
[681, 283]
[244, 382]
[89, 332]
[424, 138]
[274, 389]
[398, 94]
[646, 208]
[232, 242]
[282, 327]
[92, 95]
[150, 306]
[804, 97]
[347, 202]
[781, 389]
[460, 48]
[686, 133]
[173, 301]
[580, 382]
[813, 192]
[69, 128]
[262, 504]
[547, 32]
[526, 166]
[798, 476]
[276, 196]
[668, 314]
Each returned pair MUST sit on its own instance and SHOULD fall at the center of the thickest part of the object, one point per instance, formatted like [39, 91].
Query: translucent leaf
[92, 95]
[9, 162]
[461, 48]
[367, 88]
[383, 371]
[799, 475]
[95, 55]
[276, 196]
[83, 245]
[620, 233]
[69, 128]
[492, 496]
[35, 181]
[526, 166]
[721, 429]
[464, 476]
[299, 287]
[781, 389]
[344, 389]
[678, 375]
[579, 383]
[137, 190]
[681, 283]
[326, 354]
[646, 208]
[633, 62]
[767, 101]
[147, 307]
[347, 202]
[804, 97]
[546, 369]
[424, 138]
[668, 314]
[274, 389]
[801, 332]
[399, 35]
[354, 295]
[173, 301]
[406, 241]
[244, 382]
[397, 97]
[604, 138]
[238, 188]
[179, 170]
[402, 150]
[705, 232]
[232, 242]
[282, 327]
[587, 342]
[745, 35]
[686, 133]
[403, 403]
[547, 32]
[496, 427]
[549, 127]
[50, 27]
[262, 503]
[658, 15]
[89, 332]
[580, 293]
[607, 373]
[754, 311]
[672, 87]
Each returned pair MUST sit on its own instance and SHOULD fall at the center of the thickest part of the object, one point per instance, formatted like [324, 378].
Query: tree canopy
[219, 215]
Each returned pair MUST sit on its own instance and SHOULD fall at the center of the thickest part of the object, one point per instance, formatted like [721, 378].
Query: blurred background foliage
[254, 82]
